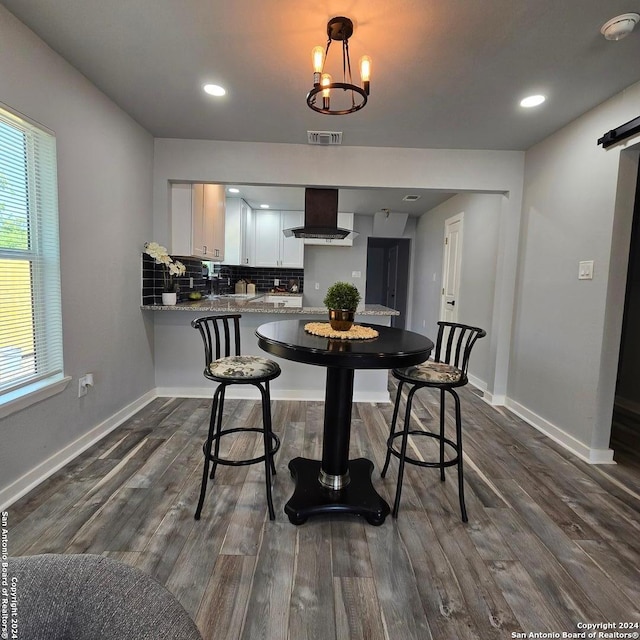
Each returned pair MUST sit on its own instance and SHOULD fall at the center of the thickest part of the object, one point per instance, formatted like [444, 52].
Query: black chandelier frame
[341, 29]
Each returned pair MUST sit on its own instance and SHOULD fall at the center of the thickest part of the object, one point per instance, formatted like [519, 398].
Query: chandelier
[338, 98]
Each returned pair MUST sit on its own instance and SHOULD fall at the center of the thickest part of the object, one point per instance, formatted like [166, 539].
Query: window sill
[25, 397]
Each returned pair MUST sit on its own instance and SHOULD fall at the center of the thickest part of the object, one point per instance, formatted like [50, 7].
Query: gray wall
[447, 170]
[326, 265]
[578, 204]
[105, 186]
[478, 270]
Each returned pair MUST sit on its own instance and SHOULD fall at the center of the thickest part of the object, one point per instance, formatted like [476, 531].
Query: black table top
[392, 348]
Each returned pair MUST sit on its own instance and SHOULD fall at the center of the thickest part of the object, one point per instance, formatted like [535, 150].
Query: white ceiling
[445, 74]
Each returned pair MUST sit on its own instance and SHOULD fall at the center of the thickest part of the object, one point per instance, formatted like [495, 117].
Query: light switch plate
[356, 274]
[585, 270]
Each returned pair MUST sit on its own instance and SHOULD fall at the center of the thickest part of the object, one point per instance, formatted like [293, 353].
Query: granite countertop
[256, 304]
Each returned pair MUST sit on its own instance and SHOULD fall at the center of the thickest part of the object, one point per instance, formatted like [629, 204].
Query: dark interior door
[392, 276]
[388, 275]
[625, 430]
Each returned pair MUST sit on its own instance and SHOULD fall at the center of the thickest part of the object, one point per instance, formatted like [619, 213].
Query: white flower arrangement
[170, 267]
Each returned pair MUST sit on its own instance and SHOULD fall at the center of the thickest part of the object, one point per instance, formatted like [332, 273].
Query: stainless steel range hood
[320, 217]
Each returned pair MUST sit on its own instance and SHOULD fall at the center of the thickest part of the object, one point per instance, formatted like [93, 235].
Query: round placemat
[324, 330]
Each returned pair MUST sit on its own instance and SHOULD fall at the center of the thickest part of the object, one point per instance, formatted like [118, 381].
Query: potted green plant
[341, 300]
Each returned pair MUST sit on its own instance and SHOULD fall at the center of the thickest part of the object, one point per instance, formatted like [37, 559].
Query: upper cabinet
[239, 233]
[345, 221]
[272, 249]
[198, 221]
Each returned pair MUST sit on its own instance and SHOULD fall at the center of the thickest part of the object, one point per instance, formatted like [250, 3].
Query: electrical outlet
[356, 274]
[190, 283]
[84, 382]
[276, 282]
[317, 286]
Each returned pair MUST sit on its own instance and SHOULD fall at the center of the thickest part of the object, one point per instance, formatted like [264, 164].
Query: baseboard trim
[588, 454]
[247, 392]
[495, 400]
[48, 467]
[477, 383]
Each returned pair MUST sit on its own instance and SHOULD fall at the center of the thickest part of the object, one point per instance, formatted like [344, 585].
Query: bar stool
[447, 371]
[227, 369]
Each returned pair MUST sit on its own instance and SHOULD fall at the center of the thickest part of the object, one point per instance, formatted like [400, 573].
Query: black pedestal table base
[336, 484]
[310, 498]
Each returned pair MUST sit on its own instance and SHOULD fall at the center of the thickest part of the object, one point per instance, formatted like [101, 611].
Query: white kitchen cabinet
[238, 232]
[345, 221]
[272, 249]
[197, 221]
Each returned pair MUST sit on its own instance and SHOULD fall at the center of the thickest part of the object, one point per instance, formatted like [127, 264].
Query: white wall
[478, 279]
[105, 187]
[577, 206]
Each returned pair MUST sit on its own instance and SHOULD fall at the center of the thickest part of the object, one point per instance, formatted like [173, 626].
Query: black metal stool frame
[453, 347]
[212, 347]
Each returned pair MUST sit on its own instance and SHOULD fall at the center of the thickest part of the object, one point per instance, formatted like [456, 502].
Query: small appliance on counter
[241, 286]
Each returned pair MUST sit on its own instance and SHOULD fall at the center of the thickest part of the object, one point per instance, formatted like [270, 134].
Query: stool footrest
[422, 463]
[275, 445]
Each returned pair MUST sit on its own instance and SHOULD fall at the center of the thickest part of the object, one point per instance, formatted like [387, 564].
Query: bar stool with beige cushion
[447, 371]
[219, 334]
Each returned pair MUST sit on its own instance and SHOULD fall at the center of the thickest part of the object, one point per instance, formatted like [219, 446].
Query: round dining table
[336, 484]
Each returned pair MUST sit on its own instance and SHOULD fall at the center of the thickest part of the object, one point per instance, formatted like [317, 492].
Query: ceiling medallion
[338, 98]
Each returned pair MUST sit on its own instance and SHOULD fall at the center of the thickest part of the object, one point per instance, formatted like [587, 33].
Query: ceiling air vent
[324, 137]
[410, 198]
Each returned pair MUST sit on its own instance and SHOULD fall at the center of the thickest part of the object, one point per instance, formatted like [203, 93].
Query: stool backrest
[454, 343]
[219, 334]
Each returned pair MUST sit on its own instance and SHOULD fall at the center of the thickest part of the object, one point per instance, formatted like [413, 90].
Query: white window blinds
[30, 310]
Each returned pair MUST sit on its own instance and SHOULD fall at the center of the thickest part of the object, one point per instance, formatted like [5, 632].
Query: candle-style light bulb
[317, 57]
[325, 81]
[365, 72]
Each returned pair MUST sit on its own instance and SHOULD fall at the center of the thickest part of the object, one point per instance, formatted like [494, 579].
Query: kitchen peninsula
[179, 357]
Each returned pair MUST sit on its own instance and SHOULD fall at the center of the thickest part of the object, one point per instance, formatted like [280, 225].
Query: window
[30, 310]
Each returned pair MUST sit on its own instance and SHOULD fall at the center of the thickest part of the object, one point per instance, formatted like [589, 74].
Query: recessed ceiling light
[233, 190]
[214, 89]
[532, 101]
[411, 198]
[264, 206]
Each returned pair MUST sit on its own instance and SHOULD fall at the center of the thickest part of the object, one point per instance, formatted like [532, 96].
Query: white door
[451, 268]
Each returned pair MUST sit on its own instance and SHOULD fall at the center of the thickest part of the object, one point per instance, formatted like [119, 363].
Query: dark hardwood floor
[551, 542]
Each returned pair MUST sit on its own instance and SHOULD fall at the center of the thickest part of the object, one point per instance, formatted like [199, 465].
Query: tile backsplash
[263, 278]
[153, 283]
